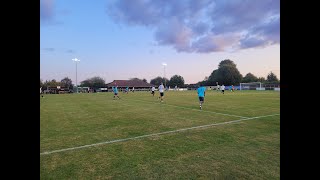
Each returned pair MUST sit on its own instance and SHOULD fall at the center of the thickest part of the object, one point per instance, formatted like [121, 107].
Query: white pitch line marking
[194, 109]
[155, 134]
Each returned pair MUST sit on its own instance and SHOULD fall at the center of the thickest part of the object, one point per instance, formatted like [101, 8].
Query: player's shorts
[222, 90]
[201, 98]
[115, 94]
[161, 94]
[152, 92]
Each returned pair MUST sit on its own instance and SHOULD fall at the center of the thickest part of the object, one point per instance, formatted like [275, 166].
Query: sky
[123, 39]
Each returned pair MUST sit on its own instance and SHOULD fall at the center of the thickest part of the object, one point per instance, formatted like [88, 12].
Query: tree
[249, 78]
[261, 79]
[45, 85]
[227, 62]
[272, 78]
[212, 79]
[158, 80]
[52, 83]
[203, 83]
[95, 82]
[86, 83]
[144, 80]
[41, 83]
[227, 74]
[176, 80]
[136, 79]
[66, 82]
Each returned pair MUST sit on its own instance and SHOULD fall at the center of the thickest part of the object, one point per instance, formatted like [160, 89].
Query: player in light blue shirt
[201, 93]
[115, 91]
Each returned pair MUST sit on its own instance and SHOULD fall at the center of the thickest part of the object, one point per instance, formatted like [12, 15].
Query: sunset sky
[123, 39]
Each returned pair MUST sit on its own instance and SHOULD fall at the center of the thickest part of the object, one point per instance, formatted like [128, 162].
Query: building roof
[129, 83]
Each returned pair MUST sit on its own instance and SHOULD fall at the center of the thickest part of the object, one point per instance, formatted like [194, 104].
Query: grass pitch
[73, 125]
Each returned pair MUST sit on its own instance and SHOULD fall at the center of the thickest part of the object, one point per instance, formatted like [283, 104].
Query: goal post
[252, 86]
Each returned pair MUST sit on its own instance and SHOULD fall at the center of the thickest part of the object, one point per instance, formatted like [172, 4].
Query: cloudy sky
[122, 39]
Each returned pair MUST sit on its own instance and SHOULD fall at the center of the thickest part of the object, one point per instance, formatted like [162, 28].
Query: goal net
[252, 86]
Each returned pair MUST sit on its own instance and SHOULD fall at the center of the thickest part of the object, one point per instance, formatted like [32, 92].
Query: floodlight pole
[164, 74]
[76, 61]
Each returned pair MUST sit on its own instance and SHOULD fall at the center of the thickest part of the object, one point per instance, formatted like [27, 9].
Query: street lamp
[76, 61]
[164, 73]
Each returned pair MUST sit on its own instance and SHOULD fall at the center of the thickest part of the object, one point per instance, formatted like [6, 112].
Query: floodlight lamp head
[164, 64]
[76, 60]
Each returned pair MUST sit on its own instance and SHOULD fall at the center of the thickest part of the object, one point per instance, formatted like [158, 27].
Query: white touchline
[155, 134]
[194, 109]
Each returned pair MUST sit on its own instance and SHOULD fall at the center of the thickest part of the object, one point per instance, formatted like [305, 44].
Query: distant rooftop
[129, 83]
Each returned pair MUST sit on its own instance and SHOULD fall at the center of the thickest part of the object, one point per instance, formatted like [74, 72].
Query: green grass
[248, 149]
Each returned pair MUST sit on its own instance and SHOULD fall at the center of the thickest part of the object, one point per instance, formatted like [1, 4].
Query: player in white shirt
[222, 89]
[161, 90]
[152, 90]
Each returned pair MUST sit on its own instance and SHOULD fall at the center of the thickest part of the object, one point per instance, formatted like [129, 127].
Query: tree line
[227, 74]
